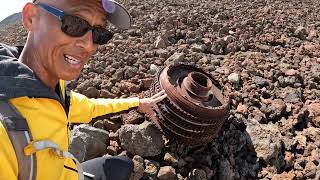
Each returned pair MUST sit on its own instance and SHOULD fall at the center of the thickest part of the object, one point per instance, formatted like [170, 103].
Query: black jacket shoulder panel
[17, 79]
[8, 51]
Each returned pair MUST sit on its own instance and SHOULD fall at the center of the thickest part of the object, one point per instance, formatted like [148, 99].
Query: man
[62, 35]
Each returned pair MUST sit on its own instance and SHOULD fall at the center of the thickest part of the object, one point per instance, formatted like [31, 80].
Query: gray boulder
[88, 142]
[175, 58]
[267, 141]
[143, 140]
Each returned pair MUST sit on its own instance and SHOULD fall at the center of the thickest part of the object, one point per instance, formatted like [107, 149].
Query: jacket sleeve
[8, 160]
[83, 109]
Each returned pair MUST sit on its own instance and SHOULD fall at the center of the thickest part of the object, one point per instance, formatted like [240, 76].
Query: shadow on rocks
[231, 155]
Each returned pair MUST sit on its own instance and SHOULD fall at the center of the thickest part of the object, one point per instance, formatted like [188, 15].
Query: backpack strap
[20, 136]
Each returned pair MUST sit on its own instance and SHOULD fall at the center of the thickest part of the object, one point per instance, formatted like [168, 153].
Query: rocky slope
[12, 19]
[265, 54]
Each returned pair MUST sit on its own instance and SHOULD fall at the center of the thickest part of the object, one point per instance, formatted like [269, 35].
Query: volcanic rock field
[264, 53]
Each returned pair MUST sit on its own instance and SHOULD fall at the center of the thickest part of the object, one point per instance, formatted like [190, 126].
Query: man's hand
[146, 104]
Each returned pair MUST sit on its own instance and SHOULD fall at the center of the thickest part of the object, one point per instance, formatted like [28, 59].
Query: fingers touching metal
[158, 99]
[158, 94]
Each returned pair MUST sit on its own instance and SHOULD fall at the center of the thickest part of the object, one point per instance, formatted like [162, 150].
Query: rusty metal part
[195, 108]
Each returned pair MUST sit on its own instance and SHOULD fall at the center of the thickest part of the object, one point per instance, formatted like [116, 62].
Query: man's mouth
[72, 60]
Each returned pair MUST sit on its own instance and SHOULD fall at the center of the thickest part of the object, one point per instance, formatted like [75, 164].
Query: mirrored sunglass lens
[74, 26]
[101, 36]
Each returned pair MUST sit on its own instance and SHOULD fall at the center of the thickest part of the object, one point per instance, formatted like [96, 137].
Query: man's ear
[29, 15]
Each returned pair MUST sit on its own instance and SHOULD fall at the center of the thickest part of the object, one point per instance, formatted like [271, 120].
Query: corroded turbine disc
[195, 108]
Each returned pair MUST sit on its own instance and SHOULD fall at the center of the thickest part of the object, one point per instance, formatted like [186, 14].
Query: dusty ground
[266, 53]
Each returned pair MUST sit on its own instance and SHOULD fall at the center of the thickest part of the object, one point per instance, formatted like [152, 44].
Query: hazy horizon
[10, 7]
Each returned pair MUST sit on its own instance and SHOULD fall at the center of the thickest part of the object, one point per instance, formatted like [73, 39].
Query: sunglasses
[75, 26]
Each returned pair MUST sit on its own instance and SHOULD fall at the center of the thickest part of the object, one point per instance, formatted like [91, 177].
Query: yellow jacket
[48, 119]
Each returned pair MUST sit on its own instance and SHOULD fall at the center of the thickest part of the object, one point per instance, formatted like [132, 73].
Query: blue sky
[9, 7]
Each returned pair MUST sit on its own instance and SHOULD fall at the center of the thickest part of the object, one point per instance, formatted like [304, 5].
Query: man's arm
[83, 109]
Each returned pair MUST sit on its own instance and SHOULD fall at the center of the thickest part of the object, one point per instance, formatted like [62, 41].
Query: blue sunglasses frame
[52, 10]
[100, 35]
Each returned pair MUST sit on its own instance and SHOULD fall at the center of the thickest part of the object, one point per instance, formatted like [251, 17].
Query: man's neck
[30, 58]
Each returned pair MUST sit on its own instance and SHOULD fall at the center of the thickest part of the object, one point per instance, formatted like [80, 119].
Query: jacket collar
[18, 80]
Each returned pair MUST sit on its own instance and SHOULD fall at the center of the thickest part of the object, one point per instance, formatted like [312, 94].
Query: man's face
[60, 55]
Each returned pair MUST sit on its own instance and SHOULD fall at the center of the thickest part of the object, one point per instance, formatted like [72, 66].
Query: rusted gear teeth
[195, 108]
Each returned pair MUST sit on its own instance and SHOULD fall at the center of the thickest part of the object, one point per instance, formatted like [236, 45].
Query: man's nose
[86, 42]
